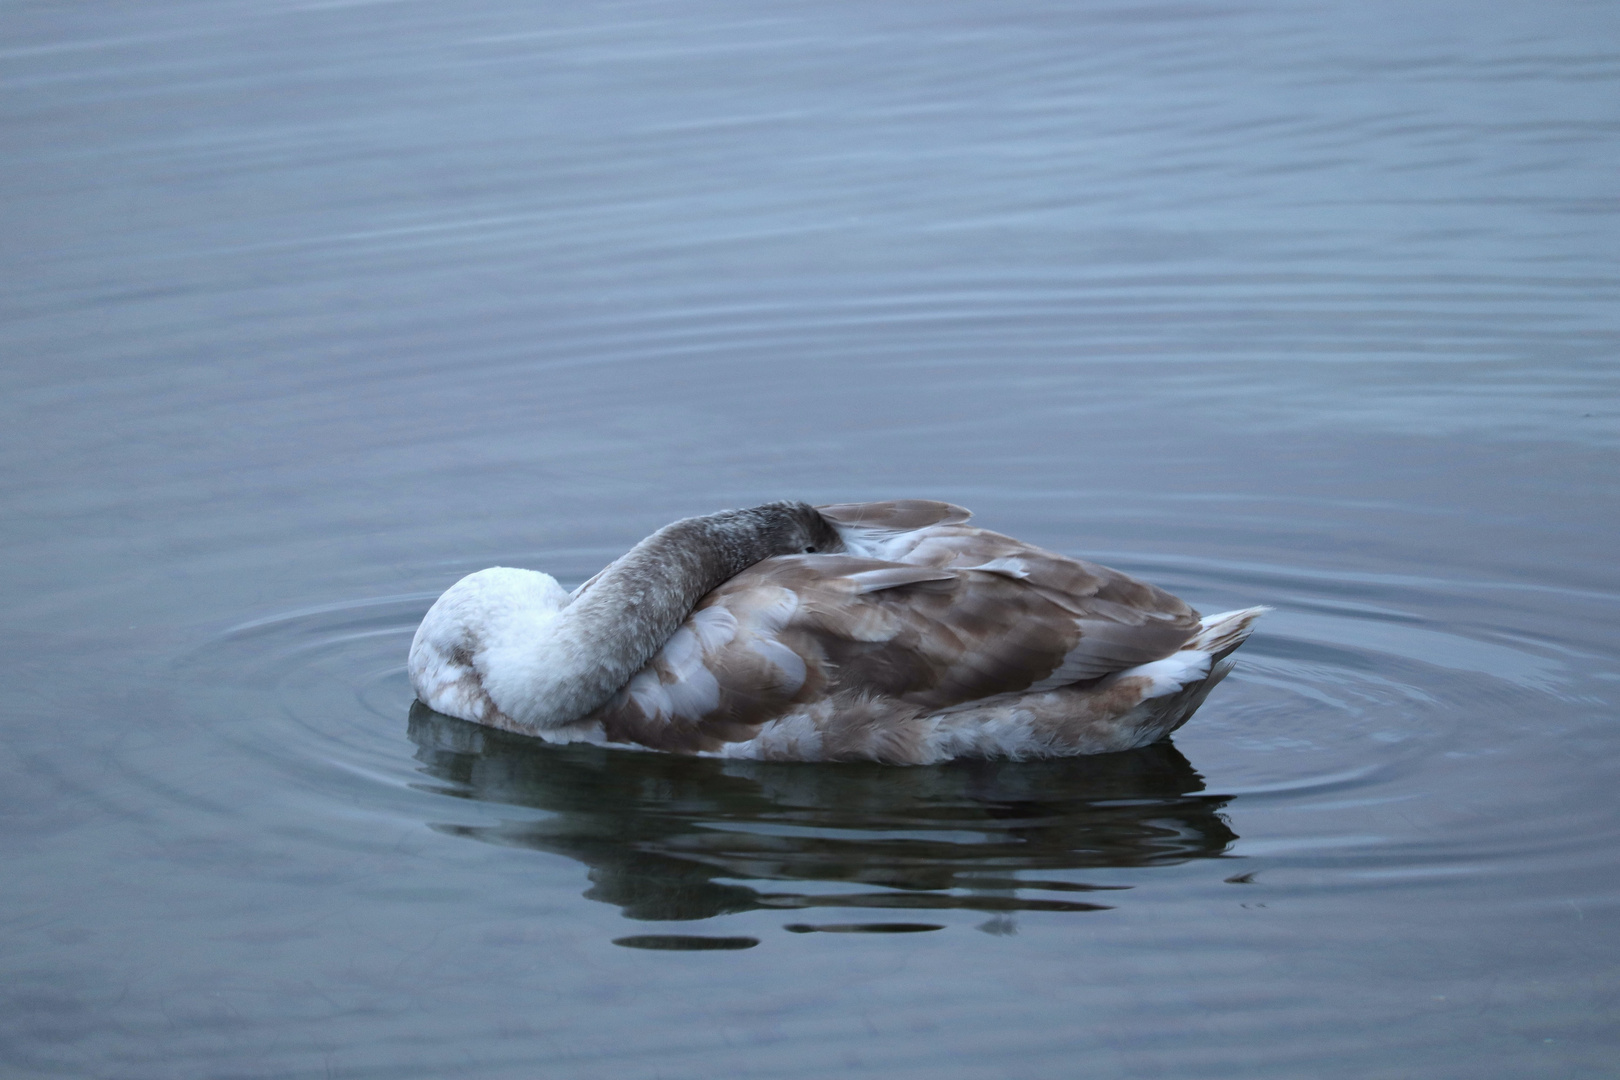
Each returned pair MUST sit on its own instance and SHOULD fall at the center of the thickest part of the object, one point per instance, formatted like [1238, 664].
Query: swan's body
[883, 631]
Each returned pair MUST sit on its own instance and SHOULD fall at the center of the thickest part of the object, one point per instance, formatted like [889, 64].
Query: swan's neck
[579, 659]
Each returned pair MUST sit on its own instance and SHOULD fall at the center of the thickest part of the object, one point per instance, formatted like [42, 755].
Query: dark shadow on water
[685, 942]
[670, 837]
[862, 928]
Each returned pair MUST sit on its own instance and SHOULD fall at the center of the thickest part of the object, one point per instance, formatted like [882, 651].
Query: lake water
[310, 308]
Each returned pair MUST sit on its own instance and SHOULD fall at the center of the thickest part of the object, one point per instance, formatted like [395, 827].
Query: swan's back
[947, 617]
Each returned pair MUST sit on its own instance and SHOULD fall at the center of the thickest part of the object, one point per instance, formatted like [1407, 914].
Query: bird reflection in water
[680, 838]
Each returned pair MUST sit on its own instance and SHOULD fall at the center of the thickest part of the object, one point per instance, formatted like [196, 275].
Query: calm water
[309, 308]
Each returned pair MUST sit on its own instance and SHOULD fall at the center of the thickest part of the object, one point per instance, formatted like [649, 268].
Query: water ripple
[1340, 697]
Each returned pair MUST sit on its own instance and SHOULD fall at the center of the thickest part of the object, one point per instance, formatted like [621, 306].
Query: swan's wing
[1010, 618]
[799, 629]
[1121, 620]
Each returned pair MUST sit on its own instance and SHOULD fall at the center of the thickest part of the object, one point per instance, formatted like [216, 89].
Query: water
[310, 308]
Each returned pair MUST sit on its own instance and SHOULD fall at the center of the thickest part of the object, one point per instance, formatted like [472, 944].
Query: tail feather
[1219, 634]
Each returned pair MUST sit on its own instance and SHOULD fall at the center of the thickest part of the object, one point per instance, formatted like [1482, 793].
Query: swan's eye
[811, 550]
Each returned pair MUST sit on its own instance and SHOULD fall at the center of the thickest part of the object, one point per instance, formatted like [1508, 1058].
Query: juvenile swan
[886, 631]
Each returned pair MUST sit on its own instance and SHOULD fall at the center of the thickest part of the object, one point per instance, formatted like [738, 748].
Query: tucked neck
[620, 620]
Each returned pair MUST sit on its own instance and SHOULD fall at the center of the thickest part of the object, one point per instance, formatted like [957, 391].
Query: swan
[883, 631]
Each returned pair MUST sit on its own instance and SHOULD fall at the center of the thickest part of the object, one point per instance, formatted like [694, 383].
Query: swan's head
[714, 547]
[477, 620]
[795, 528]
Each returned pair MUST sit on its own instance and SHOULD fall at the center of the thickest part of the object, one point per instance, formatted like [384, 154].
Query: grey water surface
[309, 308]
